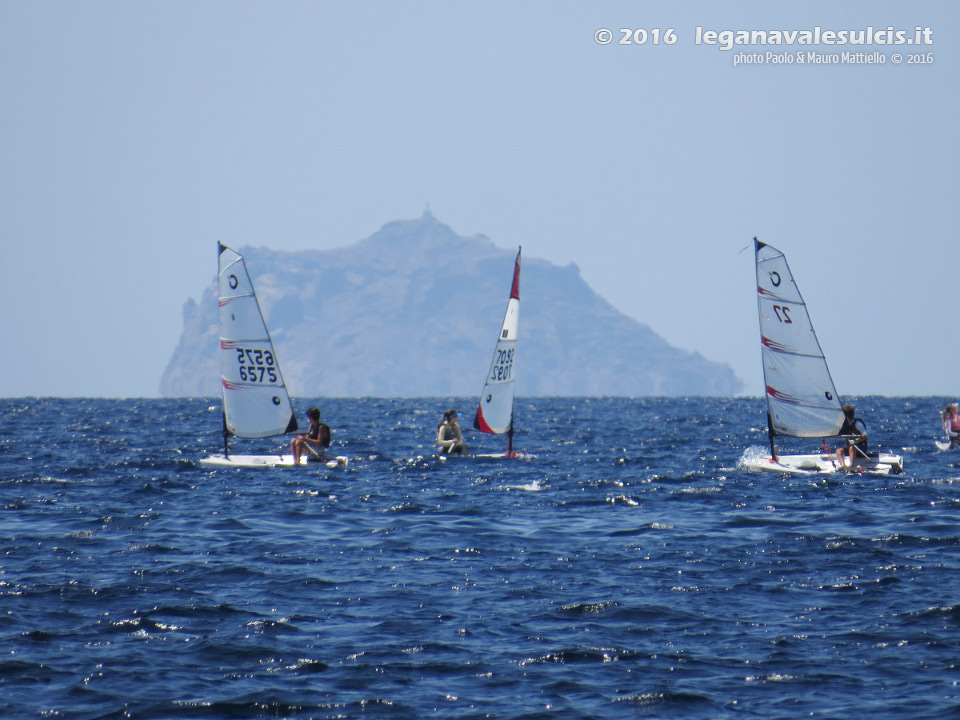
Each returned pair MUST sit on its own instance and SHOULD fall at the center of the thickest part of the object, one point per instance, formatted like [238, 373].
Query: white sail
[801, 398]
[255, 400]
[495, 412]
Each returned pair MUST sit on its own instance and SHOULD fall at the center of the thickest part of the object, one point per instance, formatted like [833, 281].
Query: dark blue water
[628, 569]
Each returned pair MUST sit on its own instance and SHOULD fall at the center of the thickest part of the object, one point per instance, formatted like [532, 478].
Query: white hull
[259, 461]
[882, 464]
[487, 456]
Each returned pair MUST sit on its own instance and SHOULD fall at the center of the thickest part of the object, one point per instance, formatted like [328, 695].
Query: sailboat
[255, 399]
[495, 410]
[802, 400]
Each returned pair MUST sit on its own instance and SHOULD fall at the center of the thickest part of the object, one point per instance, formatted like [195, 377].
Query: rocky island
[414, 311]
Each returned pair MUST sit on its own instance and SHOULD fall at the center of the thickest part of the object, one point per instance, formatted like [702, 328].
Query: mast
[226, 436]
[771, 434]
[223, 399]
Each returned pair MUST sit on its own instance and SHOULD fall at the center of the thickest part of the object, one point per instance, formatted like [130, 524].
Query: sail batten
[255, 399]
[780, 348]
[495, 410]
[801, 398]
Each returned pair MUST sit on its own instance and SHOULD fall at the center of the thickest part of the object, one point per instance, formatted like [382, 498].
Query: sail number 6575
[257, 366]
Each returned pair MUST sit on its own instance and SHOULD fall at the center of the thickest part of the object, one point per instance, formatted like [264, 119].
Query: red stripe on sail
[773, 345]
[763, 292]
[783, 397]
[515, 290]
[480, 424]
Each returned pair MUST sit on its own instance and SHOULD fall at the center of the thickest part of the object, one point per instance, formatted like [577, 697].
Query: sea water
[625, 567]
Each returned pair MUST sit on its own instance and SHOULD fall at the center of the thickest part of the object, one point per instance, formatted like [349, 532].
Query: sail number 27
[783, 313]
[257, 366]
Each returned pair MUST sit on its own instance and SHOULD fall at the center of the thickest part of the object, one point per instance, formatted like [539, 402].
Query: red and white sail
[255, 399]
[801, 398]
[495, 412]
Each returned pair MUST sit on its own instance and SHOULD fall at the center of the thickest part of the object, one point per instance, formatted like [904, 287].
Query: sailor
[855, 432]
[314, 440]
[951, 424]
[449, 436]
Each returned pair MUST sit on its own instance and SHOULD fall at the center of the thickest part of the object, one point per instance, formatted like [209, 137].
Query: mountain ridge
[414, 309]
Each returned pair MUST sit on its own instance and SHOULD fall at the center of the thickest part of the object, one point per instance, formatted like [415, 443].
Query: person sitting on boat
[951, 424]
[314, 440]
[449, 436]
[855, 432]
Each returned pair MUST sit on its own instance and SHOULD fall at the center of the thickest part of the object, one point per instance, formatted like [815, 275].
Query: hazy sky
[135, 135]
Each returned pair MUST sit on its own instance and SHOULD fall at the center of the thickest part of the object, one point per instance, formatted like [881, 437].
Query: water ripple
[625, 567]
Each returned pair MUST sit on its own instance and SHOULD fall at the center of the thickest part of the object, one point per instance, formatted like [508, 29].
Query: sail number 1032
[502, 369]
[257, 366]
